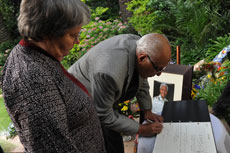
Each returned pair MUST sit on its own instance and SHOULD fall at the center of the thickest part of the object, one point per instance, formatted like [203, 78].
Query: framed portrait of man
[178, 79]
[167, 93]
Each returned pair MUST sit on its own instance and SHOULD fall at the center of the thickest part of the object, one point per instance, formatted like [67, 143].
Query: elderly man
[116, 70]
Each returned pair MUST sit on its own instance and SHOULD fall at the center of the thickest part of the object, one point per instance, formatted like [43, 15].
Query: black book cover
[186, 111]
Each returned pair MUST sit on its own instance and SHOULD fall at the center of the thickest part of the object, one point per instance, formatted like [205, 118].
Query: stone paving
[129, 145]
[18, 146]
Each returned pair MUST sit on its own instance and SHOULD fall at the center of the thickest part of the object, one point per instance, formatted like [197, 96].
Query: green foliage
[113, 8]
[145, 15]
[143, 18]
[91, 34]
[192, 55]
[187, 23]
[4, 52]
[212, 91]
[99, 11]
[196, 19]
[216, 46]
[9, 10]
[215, 83]
[12, 131]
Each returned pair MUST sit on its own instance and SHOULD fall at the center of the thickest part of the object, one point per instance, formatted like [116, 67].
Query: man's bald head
[153, 49]
[154, 45]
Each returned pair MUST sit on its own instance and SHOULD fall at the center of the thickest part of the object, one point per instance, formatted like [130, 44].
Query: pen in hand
[151, 121]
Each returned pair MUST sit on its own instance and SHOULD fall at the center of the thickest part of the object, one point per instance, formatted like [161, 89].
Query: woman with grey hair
[50, 109]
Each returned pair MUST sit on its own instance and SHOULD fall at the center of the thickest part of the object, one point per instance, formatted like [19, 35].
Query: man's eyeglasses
[158, 70]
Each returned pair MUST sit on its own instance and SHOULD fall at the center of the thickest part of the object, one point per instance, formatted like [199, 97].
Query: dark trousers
[1, 150]
[223, 103]
[113, 141]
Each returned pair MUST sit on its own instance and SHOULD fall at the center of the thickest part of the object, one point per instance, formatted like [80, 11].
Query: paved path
[129, 146]
[19, 148]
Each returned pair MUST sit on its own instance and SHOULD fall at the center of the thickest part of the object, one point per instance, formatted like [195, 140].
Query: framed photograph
[170, 92]
[177, 78]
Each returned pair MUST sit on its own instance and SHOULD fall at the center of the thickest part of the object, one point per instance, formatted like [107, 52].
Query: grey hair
[148, 44]
[39, 18]
[163, 84]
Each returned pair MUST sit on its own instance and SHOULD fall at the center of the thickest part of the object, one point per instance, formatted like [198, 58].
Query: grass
[4, 123]
[4, 117]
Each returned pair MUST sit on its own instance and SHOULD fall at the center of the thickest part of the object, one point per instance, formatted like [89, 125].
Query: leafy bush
[215, 81]
[91, 35]
[187, 23]
[192, 55]
[99, 11]
[113, 8]
[216, 46]
[4, 51]
[9, 9]
[12, 131]
[5, 48]
[143, 17]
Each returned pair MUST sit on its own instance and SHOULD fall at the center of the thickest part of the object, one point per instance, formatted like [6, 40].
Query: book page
[185, 137]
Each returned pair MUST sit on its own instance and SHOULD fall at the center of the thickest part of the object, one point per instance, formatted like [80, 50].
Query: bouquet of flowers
[129, 108]
[210, 85]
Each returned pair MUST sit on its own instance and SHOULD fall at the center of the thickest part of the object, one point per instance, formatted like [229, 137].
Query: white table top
[221, 136]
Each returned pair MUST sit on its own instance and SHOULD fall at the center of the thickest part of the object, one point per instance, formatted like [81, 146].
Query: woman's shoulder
[27, 66]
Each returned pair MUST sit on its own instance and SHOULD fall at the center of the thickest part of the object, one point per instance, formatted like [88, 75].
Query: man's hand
[150, 129]
[151, 116]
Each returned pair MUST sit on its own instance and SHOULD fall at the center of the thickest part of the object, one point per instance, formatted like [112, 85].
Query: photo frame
[178, 78]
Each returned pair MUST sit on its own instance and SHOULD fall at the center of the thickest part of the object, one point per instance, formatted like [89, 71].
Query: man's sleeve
[104, 91]
[143, 96]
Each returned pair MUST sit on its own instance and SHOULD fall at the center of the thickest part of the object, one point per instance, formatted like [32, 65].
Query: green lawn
[4, 117]
[4, 123]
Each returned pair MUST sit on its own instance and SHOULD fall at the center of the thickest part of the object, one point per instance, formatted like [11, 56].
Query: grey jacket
[104, 70]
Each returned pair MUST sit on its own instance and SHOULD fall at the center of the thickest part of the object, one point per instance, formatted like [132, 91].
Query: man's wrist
[147, 110]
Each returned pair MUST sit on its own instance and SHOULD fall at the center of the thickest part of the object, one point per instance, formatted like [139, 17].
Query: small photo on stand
[164, 90]
[178, 78]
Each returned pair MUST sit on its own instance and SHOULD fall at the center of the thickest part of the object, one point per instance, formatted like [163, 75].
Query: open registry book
[185, 137]
[187, 129]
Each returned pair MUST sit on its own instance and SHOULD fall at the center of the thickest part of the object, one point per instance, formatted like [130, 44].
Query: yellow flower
[209, 76]
[125, 108]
